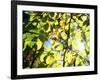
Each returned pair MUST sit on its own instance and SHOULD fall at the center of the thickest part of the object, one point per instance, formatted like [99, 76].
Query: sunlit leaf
[70, 57]
[84, 18]
[64, 35]
[34, 23]
[83, 54]
[57, 64]
[62, 23]
[59, 46]
[87, 34]
[78, 34]
[67, 27]
[42, 57]
[50, 60]
[78, 61]
[79, 22]
[68, 20]
[74, 44]
[69, 41]
[39, 44]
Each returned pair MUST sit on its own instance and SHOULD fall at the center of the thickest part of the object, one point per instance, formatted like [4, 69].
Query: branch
[68, 34]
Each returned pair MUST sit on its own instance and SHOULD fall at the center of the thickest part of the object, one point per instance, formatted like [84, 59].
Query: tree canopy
[55, 39]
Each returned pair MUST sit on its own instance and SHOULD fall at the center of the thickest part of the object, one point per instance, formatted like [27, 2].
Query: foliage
[55, 39]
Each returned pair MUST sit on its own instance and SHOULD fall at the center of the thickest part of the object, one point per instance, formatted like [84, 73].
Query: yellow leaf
[52, 41]
[39, 44]
[84, 18]
[64, 35]
[59, 30]
[62, 23]
[68, 20]
[42, 57]
[75, 24]
[78, 61]
[87, 28]
[49, 29]
[78, 34]
[57, 64]
[74, 17]
[56, 56]
[71, 25]
[87, 34]
[67, 27]
[88, 44]
[50, 60]
[80, 23]
[83, 53]
[59, 46]
[69, 41]
[69, 57]
[74, 44]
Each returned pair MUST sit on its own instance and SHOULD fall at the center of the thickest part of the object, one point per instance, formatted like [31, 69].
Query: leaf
[39, 44]
[75, 24]
[42, 57]
[74, 44]
[62, 23]
[69, 41]
[55, 15]
[78, 34]
[34, 23]
[31, 18]
[87, 34]
[49, 28]
[83, 54]
[78, 61]
[64, 16]
[56, 55]
[69, 57]
[43, 24]
[67, 27]
[86, 23]
[77, 44]
[59, 46]
[29, 44]
[84, 18]
[68, 20]
[50, 60]
[57, 64]
[28, 36]
[64, 35]
[38, 25]
[56, 22]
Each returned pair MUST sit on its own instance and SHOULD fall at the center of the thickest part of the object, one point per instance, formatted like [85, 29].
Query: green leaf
[56, 22]
[34, 23]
